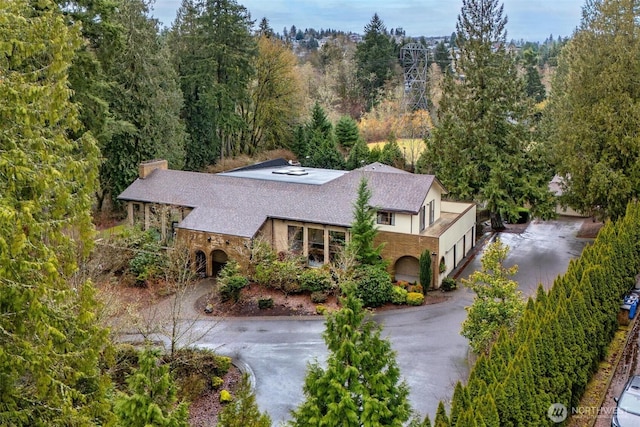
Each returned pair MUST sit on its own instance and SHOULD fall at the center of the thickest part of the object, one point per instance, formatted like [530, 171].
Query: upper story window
[423, 220]
[432, 211]
[386, 218]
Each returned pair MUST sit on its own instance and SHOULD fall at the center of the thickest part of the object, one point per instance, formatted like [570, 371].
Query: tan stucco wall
[460, 234]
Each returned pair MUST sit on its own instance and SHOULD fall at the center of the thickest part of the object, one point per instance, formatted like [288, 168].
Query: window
[432, 211]
[423, 221]
[385, 218]
[295, 237]
[315, 247]
[337, 241]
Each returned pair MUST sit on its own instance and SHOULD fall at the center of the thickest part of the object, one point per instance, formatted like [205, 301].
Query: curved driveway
[430, 351]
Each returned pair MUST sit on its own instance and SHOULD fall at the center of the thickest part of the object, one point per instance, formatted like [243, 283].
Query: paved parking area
[430, 351]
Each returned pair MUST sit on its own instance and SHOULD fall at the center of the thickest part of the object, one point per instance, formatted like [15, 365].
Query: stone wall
[236, 248]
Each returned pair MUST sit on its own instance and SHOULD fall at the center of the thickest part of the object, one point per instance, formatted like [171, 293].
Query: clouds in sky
[528, 19]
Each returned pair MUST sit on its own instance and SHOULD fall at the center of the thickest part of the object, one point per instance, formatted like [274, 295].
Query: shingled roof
[239, 205]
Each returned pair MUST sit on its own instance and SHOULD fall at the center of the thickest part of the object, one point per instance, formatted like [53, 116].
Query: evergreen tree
[426, 276]
[214, 56]
[376, 58]
[319, 122]
[392, 155]
[347, 133]
[363, 229]
[441, 419]
[87, 77]
[593, 111]
[319, 145]
[358, 156]
[50, 343]
[361, 384]
[497, 303]
[152, 398]
[533, 83]
[264, 29]
[243, 411]
[442, 57]
[375, 154]
[145, 101]
[327, 155]
[481, 147]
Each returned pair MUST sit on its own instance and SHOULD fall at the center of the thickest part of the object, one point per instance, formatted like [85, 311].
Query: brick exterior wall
[397, 245]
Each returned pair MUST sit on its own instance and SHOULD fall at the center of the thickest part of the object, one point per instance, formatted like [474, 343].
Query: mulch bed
[204, 411]
[284, 305]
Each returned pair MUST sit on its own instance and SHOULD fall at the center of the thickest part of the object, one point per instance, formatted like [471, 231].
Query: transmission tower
[415, 62]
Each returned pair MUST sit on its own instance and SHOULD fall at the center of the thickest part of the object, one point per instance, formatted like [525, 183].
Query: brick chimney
[145, 168]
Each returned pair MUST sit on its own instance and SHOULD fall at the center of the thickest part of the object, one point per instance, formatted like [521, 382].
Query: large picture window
[315, 247]
[295, 238]
[337, 240]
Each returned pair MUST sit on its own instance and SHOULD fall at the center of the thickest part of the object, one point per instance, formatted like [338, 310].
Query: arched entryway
[407, 268]
[201, 264]
[219, 259]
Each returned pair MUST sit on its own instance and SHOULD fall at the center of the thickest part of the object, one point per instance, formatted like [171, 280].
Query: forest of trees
[90, 88]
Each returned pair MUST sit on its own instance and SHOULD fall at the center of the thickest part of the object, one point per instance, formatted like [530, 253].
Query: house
[304, 210]
[556, 187]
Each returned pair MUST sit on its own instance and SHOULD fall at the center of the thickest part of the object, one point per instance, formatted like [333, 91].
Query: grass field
[410, 147]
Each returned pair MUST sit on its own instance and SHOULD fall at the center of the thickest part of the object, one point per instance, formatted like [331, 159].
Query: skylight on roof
[294, 171]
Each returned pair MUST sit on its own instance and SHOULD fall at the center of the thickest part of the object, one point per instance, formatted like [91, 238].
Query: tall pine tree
[593, 110]
[376, 58]
[214, 53]
[145, 101]
[50, 345]
[482, 148]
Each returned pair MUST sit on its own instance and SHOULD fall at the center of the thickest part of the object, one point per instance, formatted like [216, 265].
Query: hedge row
[562, 336]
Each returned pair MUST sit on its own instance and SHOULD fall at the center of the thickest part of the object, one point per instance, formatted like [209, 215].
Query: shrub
[398, 295]
[415, 288]
[204, 362]
[191, 387]
[225, 396]
[231, 282]
[318, 297]
[149, 256]
[216, 382]
[231, 287]
[316, 280]
[264, 303]
[321, 309]
[403, 284]
[373, 285]
[448, 284]
[281, 275]
[415, 298]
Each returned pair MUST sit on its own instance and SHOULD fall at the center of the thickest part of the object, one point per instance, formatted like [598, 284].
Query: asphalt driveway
[430, 351]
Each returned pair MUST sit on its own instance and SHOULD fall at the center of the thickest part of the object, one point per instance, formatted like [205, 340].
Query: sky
[530, 20]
